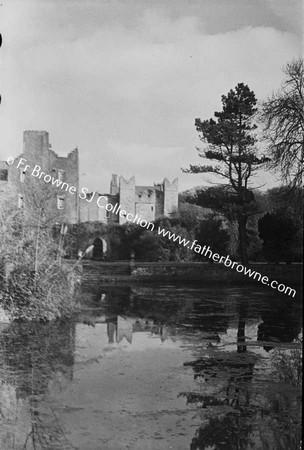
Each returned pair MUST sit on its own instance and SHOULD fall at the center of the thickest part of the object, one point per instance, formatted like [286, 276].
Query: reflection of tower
[124, 329]
[163, 333]
[173, 336]
[111, 329]
[241, 336]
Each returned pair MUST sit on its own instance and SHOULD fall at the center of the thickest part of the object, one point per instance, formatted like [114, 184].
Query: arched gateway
[100, 248]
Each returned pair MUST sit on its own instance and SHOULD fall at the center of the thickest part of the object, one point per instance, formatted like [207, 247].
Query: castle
[148, 202]
[19, 189]
[65, 200]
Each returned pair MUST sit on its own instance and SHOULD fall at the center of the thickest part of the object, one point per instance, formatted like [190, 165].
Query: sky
[124, 80]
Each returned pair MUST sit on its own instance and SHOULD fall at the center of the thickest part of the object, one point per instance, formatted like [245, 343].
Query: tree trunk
[233, 237]
[242, 222]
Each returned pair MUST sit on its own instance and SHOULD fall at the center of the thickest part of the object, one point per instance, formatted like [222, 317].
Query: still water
[156, 368]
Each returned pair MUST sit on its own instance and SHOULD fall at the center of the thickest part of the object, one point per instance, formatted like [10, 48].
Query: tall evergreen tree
[231, 144]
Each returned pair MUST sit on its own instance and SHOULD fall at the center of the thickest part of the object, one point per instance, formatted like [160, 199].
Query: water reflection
[154, 367]
[121, 327]
[34, 357]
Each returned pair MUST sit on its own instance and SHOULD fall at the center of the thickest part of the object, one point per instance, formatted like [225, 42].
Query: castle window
[20, 201]
[3, 174]
[60, 175]
[151, 208]
[22, 176]
[60, 202]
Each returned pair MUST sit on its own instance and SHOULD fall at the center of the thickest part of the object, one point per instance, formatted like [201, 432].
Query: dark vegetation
[34, 284]
[274, 230]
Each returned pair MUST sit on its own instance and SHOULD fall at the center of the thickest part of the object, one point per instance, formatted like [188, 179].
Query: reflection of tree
[227, 433]
[46, 431]
[37, 349]
[236, 413]
[242, 415]
[31, 356]
[225, 402]
[280, 324]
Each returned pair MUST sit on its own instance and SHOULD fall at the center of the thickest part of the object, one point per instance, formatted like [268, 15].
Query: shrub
[46, 296]
[279, 235]
[211, 232]
[150, 247]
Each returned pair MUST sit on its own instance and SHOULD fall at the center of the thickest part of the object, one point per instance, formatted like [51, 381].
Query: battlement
[73, 154]
[170, 186]
[35, 132]
[170, 196]
[127, 184]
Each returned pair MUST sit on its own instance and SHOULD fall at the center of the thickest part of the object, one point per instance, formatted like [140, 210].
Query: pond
[156, 368]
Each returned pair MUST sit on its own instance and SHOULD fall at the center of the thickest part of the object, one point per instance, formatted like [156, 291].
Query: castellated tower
[170, 196]
[37, 150]
[114, 188]
[127, 197]
[25, 190]
[36, 147]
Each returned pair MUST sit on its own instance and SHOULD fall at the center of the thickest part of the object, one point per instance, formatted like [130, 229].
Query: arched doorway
[98, 250]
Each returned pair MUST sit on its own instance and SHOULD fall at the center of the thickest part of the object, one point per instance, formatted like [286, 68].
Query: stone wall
[204, 273]
[23, 185]
[145, 201]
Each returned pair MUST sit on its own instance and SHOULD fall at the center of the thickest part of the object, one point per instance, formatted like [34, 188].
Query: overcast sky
[124, 80]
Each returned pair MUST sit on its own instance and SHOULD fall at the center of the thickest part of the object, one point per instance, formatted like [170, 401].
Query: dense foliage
[34, 284]
[45, 296]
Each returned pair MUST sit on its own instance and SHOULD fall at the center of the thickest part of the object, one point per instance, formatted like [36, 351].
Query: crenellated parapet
[126, 196]
[127, 184]
[171, 186]
[170, 196]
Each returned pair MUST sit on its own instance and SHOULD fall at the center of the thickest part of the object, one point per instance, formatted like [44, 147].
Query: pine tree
[231, 143]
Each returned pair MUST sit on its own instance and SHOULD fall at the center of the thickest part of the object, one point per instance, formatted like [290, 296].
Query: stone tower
[36, 147]
[114, 188]
[25, 190]
[127, 196]
[170, 196]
